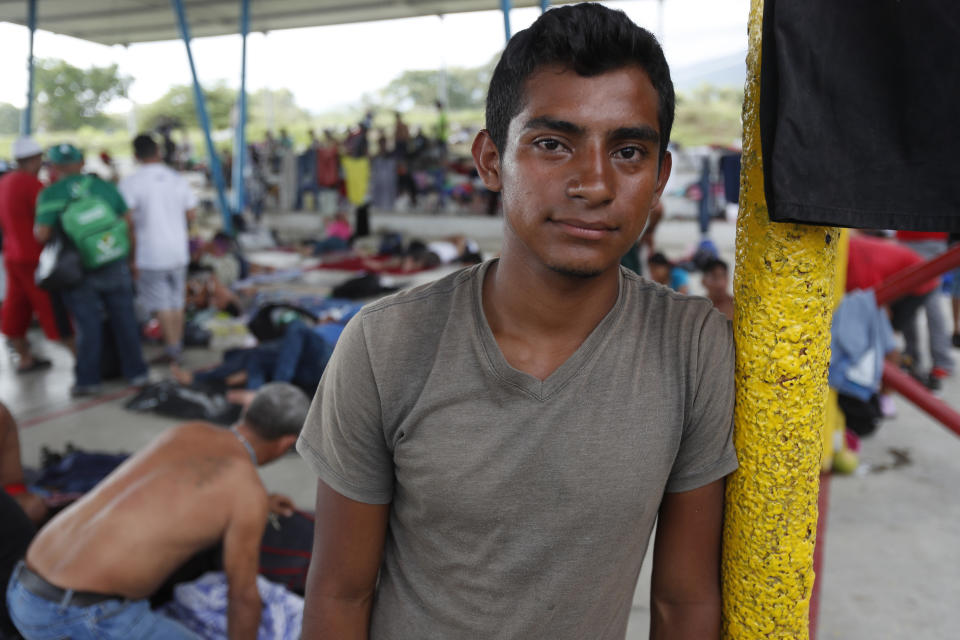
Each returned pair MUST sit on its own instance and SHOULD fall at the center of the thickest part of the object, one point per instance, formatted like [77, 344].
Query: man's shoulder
[55, 197]
[411, 322]
[649, 293]
[20, 179]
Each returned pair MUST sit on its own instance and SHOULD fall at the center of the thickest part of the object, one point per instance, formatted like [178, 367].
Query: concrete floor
[892, 559]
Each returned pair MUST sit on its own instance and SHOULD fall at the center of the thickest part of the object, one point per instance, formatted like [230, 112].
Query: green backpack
[100, 235]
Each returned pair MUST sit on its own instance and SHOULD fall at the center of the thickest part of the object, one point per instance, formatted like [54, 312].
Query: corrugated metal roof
[128, 21]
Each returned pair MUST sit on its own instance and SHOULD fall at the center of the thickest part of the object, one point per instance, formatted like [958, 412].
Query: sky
[327, 67]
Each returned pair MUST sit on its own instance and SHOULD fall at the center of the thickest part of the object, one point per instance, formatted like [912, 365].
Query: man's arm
[241, 556]
[42, 233]
[132, 236]
[685, 590]
[347, 550]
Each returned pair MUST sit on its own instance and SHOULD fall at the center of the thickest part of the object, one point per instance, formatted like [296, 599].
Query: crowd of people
[388, 168]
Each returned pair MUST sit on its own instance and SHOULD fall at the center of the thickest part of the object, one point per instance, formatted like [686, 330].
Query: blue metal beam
[26, 121]
[240, 137]
[505, 8]
[201, 105]
[544, 5]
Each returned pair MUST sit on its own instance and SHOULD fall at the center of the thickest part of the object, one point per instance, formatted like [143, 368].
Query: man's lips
[589, 229]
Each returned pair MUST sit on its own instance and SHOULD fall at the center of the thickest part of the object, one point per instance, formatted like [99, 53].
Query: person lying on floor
[205, 291]
[299, 357]
[89, 572]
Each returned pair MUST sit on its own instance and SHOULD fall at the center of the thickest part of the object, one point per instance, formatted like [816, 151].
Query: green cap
[64, 153]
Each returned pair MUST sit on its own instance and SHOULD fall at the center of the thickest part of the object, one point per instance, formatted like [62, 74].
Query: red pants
[25, 298]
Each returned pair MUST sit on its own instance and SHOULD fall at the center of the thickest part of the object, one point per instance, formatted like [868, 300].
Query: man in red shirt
[21, 252]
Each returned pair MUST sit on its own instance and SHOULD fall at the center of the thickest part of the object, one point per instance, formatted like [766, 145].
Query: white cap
[26, 147]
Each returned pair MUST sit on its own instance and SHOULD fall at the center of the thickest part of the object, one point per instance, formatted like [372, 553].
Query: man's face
[659, 273]
[715, 282]
[579, 172]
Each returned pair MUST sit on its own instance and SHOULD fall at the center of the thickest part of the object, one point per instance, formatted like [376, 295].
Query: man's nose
[592, 179]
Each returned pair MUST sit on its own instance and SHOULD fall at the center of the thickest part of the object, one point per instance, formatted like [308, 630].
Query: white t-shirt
[159, 199]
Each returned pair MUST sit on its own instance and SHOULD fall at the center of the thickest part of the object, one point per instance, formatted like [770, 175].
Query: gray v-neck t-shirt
[520, 508]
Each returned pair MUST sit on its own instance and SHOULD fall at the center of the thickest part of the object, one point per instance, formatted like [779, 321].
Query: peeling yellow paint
[784, 290]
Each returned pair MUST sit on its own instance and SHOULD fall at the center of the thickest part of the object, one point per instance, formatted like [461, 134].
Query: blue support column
[240, 137]
[505, 8]
[544, 5]
[201, 104]
[26, 121]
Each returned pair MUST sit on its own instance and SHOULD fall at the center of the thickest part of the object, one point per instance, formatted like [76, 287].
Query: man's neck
[257, 445]
[540, 317]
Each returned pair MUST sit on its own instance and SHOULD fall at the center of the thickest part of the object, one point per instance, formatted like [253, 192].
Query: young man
[107, 290]
[716, 280]
[89, 572]
[161, 204]
[494, 448]
[21, 254]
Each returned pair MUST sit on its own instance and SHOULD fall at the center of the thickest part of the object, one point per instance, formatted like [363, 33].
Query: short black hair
[144, 146]
[715, 263]
[659, 258]
[278, 409]
[587, 38]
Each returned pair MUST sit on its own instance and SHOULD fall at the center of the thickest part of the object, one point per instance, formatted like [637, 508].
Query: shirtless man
[89, 572]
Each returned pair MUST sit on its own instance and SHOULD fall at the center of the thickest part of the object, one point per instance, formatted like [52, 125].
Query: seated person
[20, 511]
[11, 470]
[716, 280]
[89, 572]
[204, 291]
[664, 272]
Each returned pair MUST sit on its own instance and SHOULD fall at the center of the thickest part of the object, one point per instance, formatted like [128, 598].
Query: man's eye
[630, 153]
[549, 144]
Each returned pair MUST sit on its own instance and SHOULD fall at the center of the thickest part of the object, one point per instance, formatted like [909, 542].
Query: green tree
[176, 107]
[276, 108]
[466, 88]
[9, 118]
[69, 97]
[708, 115]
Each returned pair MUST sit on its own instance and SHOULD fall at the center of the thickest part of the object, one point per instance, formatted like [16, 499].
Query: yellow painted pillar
[784, 287]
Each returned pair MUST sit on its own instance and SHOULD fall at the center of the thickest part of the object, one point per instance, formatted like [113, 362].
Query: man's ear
[666, 165]
[487, 159]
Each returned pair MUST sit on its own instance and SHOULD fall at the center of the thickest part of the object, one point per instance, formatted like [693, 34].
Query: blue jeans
[40, 619]
[107, 290]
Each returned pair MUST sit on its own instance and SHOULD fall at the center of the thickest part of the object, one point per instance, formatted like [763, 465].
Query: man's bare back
[176, 497]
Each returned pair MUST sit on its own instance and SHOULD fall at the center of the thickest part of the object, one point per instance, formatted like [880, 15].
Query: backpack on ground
[100, 235]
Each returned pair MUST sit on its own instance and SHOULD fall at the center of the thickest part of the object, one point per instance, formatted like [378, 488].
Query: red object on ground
[370, 265]
[902, 282]
[909, 388]
[823, 503]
